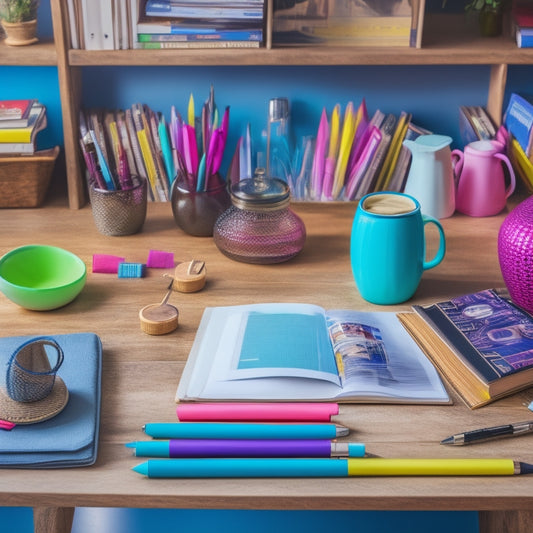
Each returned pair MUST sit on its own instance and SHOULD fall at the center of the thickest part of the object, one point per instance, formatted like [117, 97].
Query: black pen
[491, 433]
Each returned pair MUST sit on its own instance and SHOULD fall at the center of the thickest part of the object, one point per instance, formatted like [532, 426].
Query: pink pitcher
[481, 185]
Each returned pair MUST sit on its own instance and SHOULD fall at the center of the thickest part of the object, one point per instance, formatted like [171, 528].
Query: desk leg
[53, 519]
[499, 521]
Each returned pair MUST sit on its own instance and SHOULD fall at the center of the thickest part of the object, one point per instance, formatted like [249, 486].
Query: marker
[258, 412]
[246, 448]
[287, 468]
[237, 430]
[490, 433]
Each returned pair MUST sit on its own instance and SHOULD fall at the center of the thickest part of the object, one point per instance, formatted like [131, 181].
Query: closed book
[482, 343]
[524, 37]
[224, 35]
[36, 123]
[518, 119]
[211, 10]
[197, 44]
[291, 352]
[15, 109]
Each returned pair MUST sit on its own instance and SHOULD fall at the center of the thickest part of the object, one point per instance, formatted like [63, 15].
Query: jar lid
[260, 192]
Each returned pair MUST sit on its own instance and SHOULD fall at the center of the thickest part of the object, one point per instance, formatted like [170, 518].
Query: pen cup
[120, 212]
[195, 212]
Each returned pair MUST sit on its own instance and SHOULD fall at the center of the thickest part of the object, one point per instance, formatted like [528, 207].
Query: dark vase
[491, 21]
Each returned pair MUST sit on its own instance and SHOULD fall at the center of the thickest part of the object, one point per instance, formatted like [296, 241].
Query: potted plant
[490, 16]
[19, 20]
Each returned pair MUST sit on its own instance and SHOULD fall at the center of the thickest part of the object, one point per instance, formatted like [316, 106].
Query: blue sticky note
[131, 270]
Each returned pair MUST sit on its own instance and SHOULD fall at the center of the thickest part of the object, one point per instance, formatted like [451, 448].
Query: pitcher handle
[512, 177]
[439, 256]
[457, 165]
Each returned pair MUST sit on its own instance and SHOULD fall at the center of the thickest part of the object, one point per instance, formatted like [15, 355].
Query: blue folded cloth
[70, 438]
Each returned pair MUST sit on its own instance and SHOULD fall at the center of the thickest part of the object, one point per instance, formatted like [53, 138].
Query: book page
[376, 357]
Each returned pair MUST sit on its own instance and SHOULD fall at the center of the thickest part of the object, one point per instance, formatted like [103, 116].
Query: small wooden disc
[157, 319]
[189, 277]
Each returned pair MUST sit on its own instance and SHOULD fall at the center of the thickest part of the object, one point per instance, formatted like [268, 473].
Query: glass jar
[259, 227]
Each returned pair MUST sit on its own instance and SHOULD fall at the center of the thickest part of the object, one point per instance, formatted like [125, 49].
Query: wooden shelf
[42, 53]
[448, 40]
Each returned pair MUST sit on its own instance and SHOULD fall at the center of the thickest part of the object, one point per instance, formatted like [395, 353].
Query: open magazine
[300, 352]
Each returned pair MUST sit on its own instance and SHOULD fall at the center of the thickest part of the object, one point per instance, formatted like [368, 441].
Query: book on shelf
[475, 124]
[22, 140]
[212, 9]
[482, 343]
[518, 119]
[300, 352]
[199, 43]
[522, 23]
[193, 36]
[521, 164]
[15, 113]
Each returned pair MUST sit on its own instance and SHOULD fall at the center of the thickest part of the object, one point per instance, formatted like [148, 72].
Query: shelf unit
[448, 40]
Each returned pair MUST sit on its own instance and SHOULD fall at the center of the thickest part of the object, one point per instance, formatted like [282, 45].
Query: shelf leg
[498, 79]
[500, 521]
[53, 519]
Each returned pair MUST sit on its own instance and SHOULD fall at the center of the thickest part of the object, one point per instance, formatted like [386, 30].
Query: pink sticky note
[158, 259]
[106, 264]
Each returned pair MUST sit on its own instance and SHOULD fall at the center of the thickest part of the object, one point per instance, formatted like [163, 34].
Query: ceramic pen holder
[196, 212]
[119, 212]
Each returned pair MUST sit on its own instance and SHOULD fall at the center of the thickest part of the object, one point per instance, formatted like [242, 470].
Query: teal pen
[287, 468]
[243, 430]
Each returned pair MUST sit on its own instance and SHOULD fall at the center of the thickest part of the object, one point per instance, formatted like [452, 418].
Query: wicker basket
[24, 180]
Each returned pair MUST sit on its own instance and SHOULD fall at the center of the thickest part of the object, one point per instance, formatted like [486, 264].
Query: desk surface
[141, 372]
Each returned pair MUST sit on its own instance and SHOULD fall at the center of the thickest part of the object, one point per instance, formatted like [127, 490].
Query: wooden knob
[190, 277]
[158, 319]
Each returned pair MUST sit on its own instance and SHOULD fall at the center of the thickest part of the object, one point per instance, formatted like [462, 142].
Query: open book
[300, 352]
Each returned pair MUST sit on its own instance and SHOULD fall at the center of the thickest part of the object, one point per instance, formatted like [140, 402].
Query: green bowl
[40, 277]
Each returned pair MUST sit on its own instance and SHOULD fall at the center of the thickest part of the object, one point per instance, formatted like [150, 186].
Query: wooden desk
[141, 372]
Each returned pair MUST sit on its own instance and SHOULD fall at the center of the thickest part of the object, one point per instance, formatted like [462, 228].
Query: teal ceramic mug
[388, 247]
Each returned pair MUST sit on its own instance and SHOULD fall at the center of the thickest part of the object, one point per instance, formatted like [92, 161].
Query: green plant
[478, 5]
[18, 10]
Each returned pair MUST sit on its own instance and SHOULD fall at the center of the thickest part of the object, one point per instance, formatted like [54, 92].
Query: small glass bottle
[278, 141]
[259, 227]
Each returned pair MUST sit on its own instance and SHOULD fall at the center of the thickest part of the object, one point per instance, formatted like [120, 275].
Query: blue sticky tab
[131, 270]
[530, 407]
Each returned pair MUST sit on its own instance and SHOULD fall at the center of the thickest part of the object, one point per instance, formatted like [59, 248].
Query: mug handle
[439, 256]
[512, 177]
[457, 164]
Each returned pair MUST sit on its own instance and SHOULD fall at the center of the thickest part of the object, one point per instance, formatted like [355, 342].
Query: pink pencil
[259, 412]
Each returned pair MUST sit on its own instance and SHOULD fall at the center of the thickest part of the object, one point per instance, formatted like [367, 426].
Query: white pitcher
[430, 179]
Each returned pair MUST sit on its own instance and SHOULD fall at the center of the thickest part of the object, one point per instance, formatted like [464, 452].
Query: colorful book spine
[228, 35]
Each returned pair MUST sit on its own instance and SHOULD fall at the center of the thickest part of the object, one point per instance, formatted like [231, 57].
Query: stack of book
[202, 24]
[20, 121]
[127, 24]
[522, 20]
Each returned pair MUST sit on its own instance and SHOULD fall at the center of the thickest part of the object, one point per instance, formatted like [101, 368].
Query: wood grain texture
[141, 372]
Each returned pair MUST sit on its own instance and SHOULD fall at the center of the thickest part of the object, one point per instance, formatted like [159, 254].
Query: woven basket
[24, 180]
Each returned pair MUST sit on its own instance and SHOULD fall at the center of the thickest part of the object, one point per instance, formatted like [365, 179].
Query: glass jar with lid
[260, 227]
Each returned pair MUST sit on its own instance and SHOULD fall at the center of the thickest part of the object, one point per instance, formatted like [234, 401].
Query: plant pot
[491, 22]
[20, 33]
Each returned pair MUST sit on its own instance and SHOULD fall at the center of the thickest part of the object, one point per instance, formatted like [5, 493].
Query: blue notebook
[71, 437]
